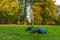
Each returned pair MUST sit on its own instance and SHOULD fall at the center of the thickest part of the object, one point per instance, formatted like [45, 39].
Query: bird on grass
[39, 31]
[30, 28]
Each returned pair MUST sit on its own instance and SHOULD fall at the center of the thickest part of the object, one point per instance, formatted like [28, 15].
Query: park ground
[15, 32]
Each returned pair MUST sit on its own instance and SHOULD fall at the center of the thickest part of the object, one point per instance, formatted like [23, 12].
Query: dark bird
[30, 28]
[39, 31]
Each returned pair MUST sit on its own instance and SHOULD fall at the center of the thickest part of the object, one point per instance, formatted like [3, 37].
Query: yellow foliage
[38, 3]
[14, 4]
[9, 6]
[33, 7]
[5, 1]
[44, 11]
[46, 8]
[54, 15]
[52, 22]
[0, 6]
[11, 14]
[36, 8]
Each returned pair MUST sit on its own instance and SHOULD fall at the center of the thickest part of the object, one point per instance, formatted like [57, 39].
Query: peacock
[30, 28]
[39, 31]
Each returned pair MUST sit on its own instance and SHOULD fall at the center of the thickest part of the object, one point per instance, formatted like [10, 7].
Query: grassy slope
[19, 33]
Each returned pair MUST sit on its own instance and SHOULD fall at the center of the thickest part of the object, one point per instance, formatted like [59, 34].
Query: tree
[58, 15]
[9, 8]
[44, 12]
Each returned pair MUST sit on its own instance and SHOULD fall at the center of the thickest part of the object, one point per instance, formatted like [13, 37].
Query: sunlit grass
[19, 33]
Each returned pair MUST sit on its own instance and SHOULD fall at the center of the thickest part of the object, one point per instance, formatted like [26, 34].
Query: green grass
[19, 33]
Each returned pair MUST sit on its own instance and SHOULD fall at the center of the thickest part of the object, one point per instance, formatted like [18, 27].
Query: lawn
[19, 33]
